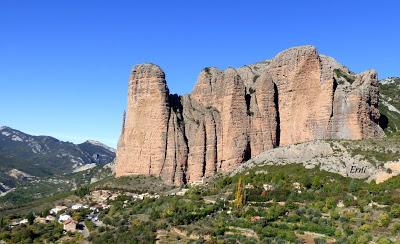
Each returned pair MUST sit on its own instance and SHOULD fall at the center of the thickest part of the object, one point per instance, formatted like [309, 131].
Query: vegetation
[82, 191]
[269, 203]
[348, 77]
[389, 107]
[240, 194]
[376, 151]
[29, 191]
[139, 184]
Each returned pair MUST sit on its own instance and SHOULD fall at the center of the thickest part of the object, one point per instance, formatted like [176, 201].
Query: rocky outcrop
[236, 114]
[334, 156]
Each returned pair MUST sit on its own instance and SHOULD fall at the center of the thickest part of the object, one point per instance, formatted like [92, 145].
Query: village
[73, 215]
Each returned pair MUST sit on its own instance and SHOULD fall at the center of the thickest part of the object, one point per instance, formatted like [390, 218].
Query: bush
[383, 220]
[396, 228]
[364, 239]
[395, 211]
[365, 228]
[82, 191]
[383, 240]
[30, 217]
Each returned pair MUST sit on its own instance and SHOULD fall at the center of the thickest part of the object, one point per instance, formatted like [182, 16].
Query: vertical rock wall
[235, 114]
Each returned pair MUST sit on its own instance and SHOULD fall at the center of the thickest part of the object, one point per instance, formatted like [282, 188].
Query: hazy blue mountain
[44, 155]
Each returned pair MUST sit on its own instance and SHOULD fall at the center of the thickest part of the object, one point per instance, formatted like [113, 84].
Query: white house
[57, 209]
[64, 217]
[24, 221]
[77, 206]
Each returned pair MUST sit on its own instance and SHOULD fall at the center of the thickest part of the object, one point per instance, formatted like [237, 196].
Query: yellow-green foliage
[383, 220]
[240, 197]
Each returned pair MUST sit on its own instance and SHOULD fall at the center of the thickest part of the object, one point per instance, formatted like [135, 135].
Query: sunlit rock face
[235, 114]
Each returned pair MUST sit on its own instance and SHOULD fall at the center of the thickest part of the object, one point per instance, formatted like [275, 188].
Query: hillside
[44, 155]
[389, 105]
[32, 167]
[287, 194]
[280, 203]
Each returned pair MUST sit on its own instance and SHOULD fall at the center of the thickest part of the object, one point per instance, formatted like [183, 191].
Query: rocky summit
[233, 115]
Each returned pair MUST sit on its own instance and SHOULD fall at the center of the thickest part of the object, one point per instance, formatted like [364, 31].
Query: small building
[249, 186]
[57, 209]
[64, 217]
[40, 220]
[24, 221]
[77, 206]
[182, 192]
[268, 187]
[50, 218]
[70, 225]
[297, 185]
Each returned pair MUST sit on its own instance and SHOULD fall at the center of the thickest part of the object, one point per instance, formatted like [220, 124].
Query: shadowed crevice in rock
[247, 152]
[334, 87]
[204, 152]
[165, 143]
[248, 99]
[383, 121]
[276, 103]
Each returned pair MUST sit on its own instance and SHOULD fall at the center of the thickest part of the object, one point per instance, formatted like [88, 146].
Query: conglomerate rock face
[236, 114]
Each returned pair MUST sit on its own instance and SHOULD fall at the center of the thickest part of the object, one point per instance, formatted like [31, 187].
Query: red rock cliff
[235, 114]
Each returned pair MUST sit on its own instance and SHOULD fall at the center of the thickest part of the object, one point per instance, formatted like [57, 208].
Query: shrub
[383, 240]
[82, 191]
[395, 211]
[30, 217]
[364, 239]
[396, 228]
[365, 228]
[383, 220]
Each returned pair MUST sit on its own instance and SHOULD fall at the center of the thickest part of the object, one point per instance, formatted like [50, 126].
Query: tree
[30, 217]
[307, 182]
[82, 191]
[3, 222]
[240, 197]
[77, 216]
[316, 183]
[45, 212]
[353, 186]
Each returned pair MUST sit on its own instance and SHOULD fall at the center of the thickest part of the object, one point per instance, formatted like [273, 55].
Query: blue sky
[64, 64]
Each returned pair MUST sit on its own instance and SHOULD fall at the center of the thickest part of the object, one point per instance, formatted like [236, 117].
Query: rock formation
[235, 114]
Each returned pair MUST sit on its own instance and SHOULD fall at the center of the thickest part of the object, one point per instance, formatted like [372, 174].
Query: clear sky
[64, 64]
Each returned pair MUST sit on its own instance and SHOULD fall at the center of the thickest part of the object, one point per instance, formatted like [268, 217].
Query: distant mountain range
[41, 156]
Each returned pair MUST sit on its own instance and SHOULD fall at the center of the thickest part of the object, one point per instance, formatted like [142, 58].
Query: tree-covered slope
[389, 105]
[278, 204]
[44, 155]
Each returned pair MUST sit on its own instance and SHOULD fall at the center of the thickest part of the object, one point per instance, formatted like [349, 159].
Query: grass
[37, 205]
[29, 192]
[348, 77]
[137, 184]
[375, 151]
